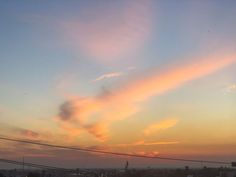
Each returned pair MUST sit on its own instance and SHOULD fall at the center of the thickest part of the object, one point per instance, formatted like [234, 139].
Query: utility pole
[126, 165]
[23, 164]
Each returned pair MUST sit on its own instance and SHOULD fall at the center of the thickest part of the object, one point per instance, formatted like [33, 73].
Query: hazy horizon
[145, 77]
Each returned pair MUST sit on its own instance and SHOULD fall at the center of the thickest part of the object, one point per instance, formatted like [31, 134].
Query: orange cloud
[124, 102]
[108, 34]
[78, 110]
[156, 84]
[145, 153]
[162, 125]
[144, 143]
[29, 133]
[69, 127]
[99, 130]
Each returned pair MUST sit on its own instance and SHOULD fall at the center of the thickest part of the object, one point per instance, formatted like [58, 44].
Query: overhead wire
[112, 153]
[47, 167]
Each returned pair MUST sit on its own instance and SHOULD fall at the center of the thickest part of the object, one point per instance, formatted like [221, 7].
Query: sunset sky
[134, 76]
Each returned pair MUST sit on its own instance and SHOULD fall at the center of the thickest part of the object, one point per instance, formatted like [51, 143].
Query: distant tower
[23, 163]
[126, 165]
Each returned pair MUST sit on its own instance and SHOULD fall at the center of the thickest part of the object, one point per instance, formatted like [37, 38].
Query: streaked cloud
[159, 83]
[30, 134]
[108, 34]
[162, 125]
[146, 153]
[114, 74]
[108, 75]
[89, 113]
[26, 133]
[144, 143]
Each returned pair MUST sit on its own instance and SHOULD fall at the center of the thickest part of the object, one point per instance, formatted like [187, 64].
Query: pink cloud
[111, 34]
[29, 134]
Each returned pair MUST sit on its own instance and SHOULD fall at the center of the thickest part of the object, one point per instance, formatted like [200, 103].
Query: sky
[145, 77]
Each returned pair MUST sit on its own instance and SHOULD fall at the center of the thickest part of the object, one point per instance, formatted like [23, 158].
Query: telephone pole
[23, 164]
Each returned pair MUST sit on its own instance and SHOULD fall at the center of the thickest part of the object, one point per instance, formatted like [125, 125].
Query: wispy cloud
[26, 133]
[162, 125]
[146, 153]
[114, 74]
[131, 68]
[110, 34]
[108, 75]
[89, 113]
[144, 143]
[99, 130]
[230, 88]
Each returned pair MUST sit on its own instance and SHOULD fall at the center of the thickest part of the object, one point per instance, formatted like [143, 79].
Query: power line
[31, 164]
[112, 153]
